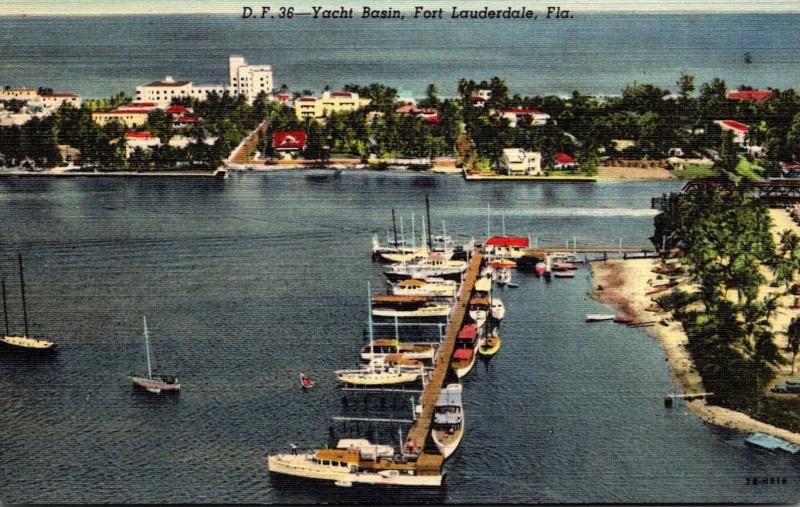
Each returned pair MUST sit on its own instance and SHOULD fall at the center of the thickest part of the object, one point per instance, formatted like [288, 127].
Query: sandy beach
[624, 283]
[634, 173]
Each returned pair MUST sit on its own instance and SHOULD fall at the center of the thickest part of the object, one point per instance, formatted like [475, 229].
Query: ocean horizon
[598, 54]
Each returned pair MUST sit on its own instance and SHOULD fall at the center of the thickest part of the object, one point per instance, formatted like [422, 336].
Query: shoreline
[624, 283]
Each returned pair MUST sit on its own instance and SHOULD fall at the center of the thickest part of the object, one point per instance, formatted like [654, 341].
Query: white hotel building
[249, 80]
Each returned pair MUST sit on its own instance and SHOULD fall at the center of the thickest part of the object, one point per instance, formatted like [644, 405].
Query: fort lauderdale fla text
[419, 12]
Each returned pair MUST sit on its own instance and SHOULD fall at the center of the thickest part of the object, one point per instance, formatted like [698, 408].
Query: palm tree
[793, 332]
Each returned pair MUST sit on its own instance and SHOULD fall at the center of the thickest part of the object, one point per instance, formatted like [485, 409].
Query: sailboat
[305, 381]
[25, 342]
[154, 384]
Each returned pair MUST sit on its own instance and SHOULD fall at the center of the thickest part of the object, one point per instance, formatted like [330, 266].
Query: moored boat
[463, 358]
[565, 274]
[448, 420]
[383, 347]
[433, 266]
[420, 307]
[597, 317]
[379, 372]
[345, 467]
[479, 310]
[430, 287]
[489, 345]
[498, 309]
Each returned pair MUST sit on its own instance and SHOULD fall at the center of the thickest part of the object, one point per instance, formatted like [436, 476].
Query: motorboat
[379, 372]
[463, 358]
[359, 463]
[498, 309]
[420, 307]
[447, 427]
[598, 317]
[489, 345]
[430, 287]
[565, 274]
[503, 276]
[434, 265]
[383, 347]
[479, 310]
[305, 381]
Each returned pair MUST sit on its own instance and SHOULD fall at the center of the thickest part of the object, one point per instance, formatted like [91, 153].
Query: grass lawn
[692, 171]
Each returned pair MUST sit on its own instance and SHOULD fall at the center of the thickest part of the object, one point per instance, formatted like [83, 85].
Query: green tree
[793, 333]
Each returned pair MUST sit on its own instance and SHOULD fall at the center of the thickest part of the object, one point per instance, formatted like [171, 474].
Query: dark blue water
[250, 281]
[593, 53]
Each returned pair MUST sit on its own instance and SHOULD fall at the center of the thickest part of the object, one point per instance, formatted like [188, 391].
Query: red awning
[463, 354]
[507, 241]
[468, 332]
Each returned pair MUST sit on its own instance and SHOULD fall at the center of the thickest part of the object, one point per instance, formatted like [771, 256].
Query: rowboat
[598, 317]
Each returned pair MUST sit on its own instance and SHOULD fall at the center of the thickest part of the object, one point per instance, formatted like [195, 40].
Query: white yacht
[384, 347]
[448, 420]
[380, 372]
[433, 266]
[359, 462]
[479, 310]
[419, 307]
[430, 287]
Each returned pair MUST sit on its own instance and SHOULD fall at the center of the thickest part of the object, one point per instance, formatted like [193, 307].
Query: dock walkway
[419, 431]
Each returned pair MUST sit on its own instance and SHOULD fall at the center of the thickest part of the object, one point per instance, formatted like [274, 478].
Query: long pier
[418, 433]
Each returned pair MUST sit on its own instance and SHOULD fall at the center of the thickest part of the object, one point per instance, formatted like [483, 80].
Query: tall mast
[394, 226]
[402, 233]
[369, 314]
[430, 236]
[504, 223]
[147, 348]
[413, 237]
[422, 234]
[22, 288]
[444, 229]
[5, 308]
[488, 221]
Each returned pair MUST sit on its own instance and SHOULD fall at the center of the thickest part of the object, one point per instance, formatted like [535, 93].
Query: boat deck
[419, 431]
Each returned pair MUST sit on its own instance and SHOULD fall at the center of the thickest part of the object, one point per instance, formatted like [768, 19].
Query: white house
[517, 161]
[537, 118]
[739, 129]
[249, 80]
[55, 100]
[142, 140]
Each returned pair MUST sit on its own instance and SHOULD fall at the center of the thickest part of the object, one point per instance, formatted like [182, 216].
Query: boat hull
[489, 351]
[377, 380]
[155, 385]
[427, 313]
[447, 447]
[462, 370]
[24, 343]
[303, 466]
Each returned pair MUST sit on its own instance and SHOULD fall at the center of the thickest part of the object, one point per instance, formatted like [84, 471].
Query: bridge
[774, 192]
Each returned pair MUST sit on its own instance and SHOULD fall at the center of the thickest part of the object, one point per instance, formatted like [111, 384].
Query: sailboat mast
[369, 314]
[147, 348]
[394, 227]
[22, 288]
[402, 233]
[504, 223]
[5, 308]
[488, 221]
[413, 238]
[428, 211]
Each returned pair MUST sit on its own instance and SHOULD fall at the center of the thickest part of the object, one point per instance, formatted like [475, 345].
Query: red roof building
[289, 140]
[187, 118]
[132, 134]
[521, 110]
[341, 94]
[563, 161]
[747, 95]
[734, 125]
[176, 109]
[507, 242]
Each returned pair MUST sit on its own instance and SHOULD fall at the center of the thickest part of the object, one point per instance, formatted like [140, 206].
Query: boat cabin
[344, 459]
[462, 357]
[398, 302]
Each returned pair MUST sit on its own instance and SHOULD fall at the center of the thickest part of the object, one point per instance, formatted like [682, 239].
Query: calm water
[593, 53]
[249, 281]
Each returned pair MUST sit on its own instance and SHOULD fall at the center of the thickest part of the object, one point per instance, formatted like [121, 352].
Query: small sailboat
[306, 382]
[154, 383]
[448, 420]
[25, 342]
[598, 317]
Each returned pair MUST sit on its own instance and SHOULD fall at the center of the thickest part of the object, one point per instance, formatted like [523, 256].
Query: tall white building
[249, 80]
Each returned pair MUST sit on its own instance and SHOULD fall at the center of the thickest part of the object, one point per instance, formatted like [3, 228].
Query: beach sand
[634, 173]
[624, 283]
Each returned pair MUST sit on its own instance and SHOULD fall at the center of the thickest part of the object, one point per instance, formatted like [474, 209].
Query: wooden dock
[418, 433]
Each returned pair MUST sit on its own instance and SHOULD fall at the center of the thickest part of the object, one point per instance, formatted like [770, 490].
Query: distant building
[293, 140]
[330, 102]
[739, 129]
[162, 92]
[24, 94]
[55, 100]
[484, 93]
[141, 140]
[517, 162]
[249, 80]
[564, 161]
[478, 101]
[749, 95]
[131, 115]
[430, 114]
[285, 99]
[537, 118]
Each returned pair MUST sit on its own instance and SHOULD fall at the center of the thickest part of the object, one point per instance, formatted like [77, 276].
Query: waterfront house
[290, 141]
[519, 162]
[143, 140]
[749, 95]
[330, 102]
[563, 161]
[739, 129]
[430, 115]
[536, 117]
[133, 117]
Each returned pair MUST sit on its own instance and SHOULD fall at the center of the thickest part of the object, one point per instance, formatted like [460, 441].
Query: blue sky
[99, 7]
